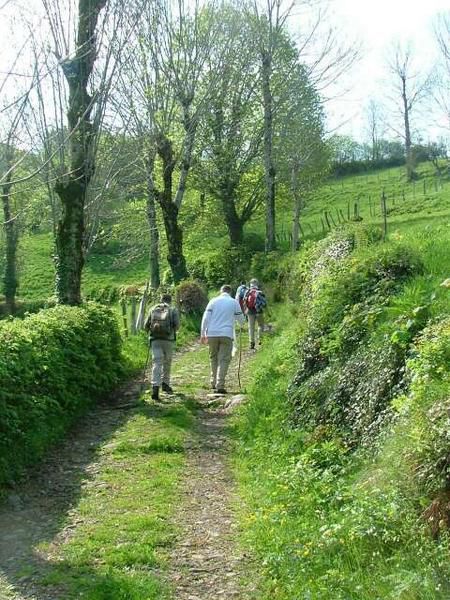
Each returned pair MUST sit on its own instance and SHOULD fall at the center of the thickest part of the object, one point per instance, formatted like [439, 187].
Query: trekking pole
[145, 368]
[240, 359]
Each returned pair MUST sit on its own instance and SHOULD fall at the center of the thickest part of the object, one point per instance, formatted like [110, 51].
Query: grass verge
[329, 522]
[123, 529]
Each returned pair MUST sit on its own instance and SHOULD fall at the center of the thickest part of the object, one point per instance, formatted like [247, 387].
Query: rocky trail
[204, 561]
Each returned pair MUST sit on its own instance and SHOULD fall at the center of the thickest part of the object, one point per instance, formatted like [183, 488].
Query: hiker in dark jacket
[162, 324]
[254, 304]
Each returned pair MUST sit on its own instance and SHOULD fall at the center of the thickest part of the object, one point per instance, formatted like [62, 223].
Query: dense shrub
[52, 367]
[354, 397]
[266, 266]
[346, 375]
[191, 298]
[107, 294]
[427, 407]
[224, 265]
[24, 307]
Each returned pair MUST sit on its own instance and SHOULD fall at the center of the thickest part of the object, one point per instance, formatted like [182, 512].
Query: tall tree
[171, 71]
[302, 152]
[231, 133]
[82, 131]
[410, 88]
[10, 281]
[14, 98]
[271, 16]
[442, 96]
[83, 36]
[375, 128]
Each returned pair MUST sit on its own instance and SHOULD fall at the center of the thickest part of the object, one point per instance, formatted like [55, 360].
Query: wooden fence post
[384, 213]
[133, 300]
[123, 304]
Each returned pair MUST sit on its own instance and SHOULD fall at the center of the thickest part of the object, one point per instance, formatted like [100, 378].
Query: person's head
[166, 298]
[225, 289]
[254, 283]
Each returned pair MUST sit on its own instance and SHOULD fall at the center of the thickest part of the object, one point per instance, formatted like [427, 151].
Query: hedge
[53, 365]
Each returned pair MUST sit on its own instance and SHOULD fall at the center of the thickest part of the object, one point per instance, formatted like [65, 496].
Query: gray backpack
[161, 326]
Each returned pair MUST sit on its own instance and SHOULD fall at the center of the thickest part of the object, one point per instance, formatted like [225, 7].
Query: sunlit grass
[123, 527]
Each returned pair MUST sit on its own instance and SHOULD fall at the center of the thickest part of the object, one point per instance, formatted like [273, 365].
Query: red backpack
[250, 298]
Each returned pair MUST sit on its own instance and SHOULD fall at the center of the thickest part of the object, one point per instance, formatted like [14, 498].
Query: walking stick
[240, 359]
[145, 368]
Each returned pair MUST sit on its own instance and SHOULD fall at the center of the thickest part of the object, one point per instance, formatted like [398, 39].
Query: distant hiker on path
[254, 304]
[240, 294]
[162, 324]
[217, 331]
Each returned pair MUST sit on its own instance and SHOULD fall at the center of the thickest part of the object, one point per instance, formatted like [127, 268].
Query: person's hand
[203, 339]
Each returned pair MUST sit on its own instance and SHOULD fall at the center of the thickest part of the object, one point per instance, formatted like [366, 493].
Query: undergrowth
[343, 449]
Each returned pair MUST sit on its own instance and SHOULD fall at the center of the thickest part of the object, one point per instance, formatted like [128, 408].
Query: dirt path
[205, 562]
[34, 511]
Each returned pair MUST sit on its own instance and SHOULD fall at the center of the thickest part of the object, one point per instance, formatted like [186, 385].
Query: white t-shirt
[220, 315]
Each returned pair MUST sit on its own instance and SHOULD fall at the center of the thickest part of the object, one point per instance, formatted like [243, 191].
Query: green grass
[36, 269]
[324, 523]
[124, 530]
[423, 203]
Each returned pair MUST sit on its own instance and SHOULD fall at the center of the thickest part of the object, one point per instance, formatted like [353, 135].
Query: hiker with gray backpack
[162, 324]
[254, 304]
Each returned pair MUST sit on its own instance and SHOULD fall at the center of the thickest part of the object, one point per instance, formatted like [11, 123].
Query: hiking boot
[166, 388]
[221, 391]
[252, 345]
[155, 392]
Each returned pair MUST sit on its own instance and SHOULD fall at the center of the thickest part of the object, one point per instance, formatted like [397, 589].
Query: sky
[375, 24]
[378, 24]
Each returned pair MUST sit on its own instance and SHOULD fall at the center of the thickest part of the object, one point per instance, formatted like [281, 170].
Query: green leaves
[53, 365]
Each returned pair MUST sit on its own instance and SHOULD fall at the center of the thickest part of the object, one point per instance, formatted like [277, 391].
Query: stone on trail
[234, 401]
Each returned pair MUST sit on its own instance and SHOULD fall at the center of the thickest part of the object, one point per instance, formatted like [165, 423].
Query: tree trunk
[10, 282]
[190, 128]
[227, 192]
[174, 236]
[269, 166]
[69, 243]
[296, 213]
[233, 222]
[408, 144]
[174, 233]
[155, 279]
[72, 190]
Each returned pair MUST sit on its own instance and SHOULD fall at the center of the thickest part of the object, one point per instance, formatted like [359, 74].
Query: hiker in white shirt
[217, 331]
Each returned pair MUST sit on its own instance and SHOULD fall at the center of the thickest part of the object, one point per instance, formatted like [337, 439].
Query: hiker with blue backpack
[254, 303]
[240, 294]
[162, 325]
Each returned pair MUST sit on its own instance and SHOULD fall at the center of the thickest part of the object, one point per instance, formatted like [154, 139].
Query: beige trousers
[220, 349]
[252, 321]
[162, 352]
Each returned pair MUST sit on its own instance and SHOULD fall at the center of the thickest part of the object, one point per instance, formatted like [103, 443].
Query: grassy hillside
[342, 451]
[423, 203]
